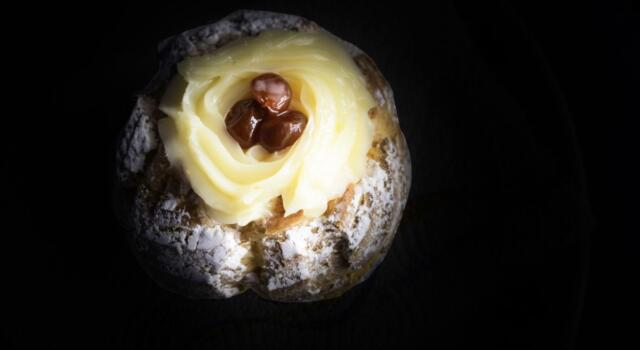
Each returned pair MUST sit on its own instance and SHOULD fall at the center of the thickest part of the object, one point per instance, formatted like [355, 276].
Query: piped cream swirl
[238, 186]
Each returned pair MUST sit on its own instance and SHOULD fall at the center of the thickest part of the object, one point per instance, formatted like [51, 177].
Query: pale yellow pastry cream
[238, 185]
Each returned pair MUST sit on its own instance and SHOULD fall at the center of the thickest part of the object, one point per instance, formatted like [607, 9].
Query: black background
[519, 230]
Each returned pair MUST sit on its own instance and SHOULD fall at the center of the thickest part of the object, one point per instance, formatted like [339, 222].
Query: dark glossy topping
[272, 92]
[281, 131]
[243, 122]
[265, 119]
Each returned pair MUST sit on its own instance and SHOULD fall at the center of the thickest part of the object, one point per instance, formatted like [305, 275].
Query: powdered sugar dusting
[299, 257]
[360, 221]
[139, 138]
[200, 258]
[307, 251]
[379, 98]
[201, 253]
[297, 243]
[170, 203]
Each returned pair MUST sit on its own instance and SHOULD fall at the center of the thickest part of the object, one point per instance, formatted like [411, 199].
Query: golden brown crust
[279, 223]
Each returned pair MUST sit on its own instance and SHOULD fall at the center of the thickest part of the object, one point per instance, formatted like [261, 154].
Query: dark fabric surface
[493, 247]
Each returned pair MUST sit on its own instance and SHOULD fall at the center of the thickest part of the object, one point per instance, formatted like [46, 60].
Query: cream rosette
[238, 185]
